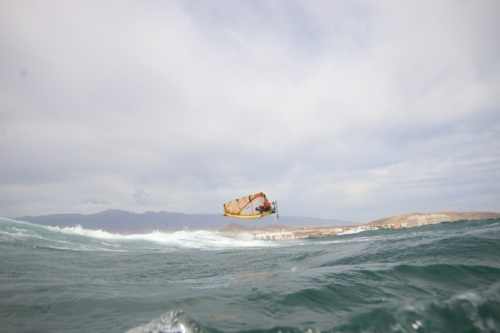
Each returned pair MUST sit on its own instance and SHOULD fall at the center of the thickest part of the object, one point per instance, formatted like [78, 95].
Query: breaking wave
[76, 238]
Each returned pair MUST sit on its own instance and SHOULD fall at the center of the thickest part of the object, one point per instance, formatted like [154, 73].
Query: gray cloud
[141, 196]
[352, 110]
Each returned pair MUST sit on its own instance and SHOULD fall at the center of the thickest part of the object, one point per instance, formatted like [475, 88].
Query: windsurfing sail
[252, 206]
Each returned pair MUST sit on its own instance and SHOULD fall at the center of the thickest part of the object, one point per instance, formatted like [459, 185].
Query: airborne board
[252, 206]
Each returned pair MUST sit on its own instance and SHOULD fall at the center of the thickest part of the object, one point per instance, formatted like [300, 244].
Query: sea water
[438, 278]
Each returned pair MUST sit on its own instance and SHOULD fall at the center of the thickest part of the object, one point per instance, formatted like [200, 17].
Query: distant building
[418, 220]
[438, 218]
[277, 235]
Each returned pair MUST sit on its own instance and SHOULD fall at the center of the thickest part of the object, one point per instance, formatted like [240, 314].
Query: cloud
[95, 201]
[141, 196]
[353, 110]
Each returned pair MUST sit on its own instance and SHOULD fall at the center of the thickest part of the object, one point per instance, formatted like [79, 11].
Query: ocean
[437, 278]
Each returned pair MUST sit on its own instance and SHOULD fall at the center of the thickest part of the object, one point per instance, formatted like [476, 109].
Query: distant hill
[454, 216]
[113, 220]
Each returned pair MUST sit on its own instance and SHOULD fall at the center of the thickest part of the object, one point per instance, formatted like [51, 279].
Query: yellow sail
[252, 206]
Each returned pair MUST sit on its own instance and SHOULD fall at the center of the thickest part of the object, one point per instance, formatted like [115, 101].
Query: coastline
[412, 220]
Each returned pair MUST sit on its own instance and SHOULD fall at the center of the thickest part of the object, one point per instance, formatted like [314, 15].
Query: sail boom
[245, 217]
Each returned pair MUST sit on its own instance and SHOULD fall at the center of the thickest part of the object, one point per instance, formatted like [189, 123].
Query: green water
[440, 278]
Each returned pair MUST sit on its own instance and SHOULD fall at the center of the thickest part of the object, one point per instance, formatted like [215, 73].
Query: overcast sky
[353, 110]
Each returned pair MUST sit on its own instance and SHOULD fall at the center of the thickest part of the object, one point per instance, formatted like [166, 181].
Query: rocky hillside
[454, 216]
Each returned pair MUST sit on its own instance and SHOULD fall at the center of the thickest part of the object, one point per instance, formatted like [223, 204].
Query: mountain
[113, 220]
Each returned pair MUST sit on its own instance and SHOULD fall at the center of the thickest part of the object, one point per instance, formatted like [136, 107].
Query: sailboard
[253, 206]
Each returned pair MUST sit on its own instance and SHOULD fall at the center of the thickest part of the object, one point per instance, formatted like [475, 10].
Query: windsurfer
[240, 207]
[264, 207]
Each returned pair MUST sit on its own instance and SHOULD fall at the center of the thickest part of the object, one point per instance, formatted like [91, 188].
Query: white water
[79, 238]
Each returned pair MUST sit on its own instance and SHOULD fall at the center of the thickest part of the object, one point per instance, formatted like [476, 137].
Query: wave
[440, 278]
[456, 241]
[463, 312]
[76, 238]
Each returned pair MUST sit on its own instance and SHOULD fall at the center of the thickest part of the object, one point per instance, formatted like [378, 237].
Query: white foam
[182, 239]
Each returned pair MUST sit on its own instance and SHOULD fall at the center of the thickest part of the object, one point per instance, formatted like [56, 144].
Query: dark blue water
[440, 278]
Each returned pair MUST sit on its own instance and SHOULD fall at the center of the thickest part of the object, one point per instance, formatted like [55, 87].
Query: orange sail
[252, 206]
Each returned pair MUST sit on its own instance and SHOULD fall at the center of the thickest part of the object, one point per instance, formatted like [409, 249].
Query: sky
[353, 110]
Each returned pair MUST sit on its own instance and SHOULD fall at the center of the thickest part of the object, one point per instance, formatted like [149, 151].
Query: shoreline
[395, 222]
